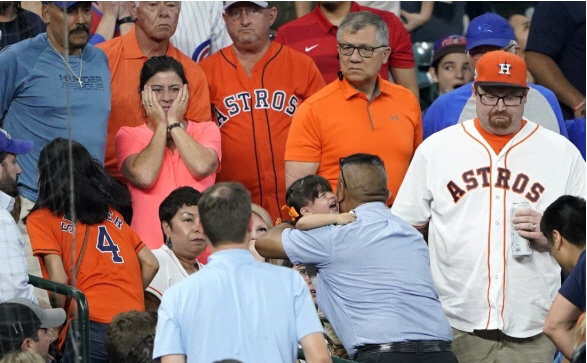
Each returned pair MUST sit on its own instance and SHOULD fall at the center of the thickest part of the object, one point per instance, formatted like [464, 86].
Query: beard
[500, 124]
[8, 185]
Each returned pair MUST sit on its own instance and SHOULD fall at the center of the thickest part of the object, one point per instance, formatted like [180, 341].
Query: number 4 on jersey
[106, 245]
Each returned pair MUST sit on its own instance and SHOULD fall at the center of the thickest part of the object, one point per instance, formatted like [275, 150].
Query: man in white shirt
[461, 186]
[13, 266]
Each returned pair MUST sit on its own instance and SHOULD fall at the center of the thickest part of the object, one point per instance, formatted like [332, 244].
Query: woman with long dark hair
[82, 241]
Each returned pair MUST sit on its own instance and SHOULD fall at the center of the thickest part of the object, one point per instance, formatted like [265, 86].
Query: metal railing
[80, 326]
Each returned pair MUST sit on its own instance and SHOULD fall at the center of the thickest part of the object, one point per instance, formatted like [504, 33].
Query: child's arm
[312, 221]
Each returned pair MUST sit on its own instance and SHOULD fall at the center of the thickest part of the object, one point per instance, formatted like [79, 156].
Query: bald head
[365, 179]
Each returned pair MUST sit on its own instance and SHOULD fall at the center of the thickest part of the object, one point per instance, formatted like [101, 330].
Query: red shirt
[315, 36]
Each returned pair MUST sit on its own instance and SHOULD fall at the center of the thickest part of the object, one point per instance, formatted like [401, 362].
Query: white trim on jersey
[465, 191]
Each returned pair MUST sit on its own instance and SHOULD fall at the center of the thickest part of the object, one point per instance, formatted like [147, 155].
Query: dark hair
[566, 215]
[225, 212]
[94, 190]
[142, 352]
[3, 155]
[305, 190]
[126, 331]
[175, 200]
[158, 64]
[371, 186]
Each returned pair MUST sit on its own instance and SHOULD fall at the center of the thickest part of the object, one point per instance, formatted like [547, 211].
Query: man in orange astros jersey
[255, 88]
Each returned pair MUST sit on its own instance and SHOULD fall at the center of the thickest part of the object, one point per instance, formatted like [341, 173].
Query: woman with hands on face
[167, 151]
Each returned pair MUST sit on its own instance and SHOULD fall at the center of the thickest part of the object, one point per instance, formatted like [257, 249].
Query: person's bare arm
[173, 358]
[152, 302]
[56, 272]
[107, 23]
[312, 221]
[295, 170]
[406, 77]
[149, 266]
[143, 169]
[314, 347]
[124, 12]
[414, 20]
[200, 160]
[547, 73]
[560, 322]
[269, 245]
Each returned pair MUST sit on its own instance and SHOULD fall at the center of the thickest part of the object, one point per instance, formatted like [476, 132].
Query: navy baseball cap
[14, 146]
[447, 45]
[489, 29]
[61, 4]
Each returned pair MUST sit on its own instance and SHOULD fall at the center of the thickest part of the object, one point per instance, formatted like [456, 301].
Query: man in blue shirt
[237, 307]
[486, 33]
[563, 225]
[53, 86]
[373, 283]
[49, 84]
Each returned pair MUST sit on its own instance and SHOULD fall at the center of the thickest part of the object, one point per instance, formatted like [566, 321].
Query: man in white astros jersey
[459, 189]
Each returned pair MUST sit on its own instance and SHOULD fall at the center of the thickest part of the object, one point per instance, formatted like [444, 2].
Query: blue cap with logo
[61, 4]
[14, 146]
[489, 29]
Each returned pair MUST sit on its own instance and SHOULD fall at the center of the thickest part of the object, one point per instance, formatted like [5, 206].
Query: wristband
[125, 20]
[581, 104]
[172, 126]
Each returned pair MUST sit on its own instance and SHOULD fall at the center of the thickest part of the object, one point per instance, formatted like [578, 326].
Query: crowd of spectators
[234, 180]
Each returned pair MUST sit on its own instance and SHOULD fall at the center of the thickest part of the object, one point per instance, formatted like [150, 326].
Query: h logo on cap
[504, 68]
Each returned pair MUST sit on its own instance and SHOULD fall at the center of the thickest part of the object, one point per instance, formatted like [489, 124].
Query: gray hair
[360, 20]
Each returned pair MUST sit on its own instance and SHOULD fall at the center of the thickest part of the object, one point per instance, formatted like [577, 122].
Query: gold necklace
[81, 64]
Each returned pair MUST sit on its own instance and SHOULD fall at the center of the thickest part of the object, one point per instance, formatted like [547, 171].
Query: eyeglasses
[235, 12]
[364, 51]
[491, 100]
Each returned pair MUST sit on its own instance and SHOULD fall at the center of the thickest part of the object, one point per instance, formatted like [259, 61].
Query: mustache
[80, 27]
[499, 113]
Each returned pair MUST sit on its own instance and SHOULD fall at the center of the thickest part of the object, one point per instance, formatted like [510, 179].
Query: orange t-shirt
[110, 272]
[497, 142]
[339, 121]
[125, 61]
[254, 115]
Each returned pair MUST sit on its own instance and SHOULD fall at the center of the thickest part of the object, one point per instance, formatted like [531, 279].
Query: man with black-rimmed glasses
[477, 189]
[358, 112]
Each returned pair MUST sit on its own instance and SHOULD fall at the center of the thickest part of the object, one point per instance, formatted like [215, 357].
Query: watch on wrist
[125, 20]
[174, 125]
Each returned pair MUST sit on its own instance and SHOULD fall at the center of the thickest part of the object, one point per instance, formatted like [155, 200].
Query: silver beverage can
[520, 245]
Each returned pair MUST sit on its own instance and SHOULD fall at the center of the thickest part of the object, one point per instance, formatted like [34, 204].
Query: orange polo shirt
[125, 60]
[338, 121]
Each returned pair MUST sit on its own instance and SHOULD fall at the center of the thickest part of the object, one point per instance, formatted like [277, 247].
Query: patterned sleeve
[13, 266]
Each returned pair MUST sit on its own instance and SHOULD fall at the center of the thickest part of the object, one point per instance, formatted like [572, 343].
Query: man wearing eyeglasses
[358, 112]
[255, 88]
[460, 190]
[487, 33]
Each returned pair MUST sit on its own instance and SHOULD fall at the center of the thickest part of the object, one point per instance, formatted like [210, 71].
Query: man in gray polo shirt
[374, 283]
